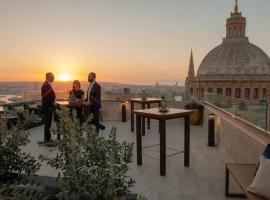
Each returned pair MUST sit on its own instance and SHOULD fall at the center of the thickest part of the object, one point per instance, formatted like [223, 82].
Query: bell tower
[191, 72]
[189, 90]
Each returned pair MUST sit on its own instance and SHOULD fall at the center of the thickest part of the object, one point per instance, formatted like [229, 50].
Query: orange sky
[141, 42]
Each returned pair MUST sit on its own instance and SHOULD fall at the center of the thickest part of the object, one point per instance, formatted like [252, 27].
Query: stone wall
[112, 110]
[241, 141]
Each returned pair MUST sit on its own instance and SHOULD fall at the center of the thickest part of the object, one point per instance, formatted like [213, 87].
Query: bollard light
[124, 111]
[211, 130]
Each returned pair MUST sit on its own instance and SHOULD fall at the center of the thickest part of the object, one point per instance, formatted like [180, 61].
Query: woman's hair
[76, 82]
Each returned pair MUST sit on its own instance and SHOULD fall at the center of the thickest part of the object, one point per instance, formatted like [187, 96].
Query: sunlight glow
[64, 77]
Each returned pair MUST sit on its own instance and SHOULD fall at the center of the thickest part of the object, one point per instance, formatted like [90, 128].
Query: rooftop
[204, 179]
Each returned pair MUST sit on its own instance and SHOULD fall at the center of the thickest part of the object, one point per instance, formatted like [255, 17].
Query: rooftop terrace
[204, 179]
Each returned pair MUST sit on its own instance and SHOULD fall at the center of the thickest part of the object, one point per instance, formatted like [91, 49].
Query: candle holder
[163, 105]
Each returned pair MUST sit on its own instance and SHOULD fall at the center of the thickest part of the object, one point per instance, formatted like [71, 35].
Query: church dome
[236, 55]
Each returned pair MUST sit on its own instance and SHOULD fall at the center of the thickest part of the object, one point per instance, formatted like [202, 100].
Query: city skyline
[140, 42]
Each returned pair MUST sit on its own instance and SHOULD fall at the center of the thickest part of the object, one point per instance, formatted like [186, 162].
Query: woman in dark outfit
[76, 97]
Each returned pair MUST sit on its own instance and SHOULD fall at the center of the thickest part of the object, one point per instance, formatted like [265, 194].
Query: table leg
[148, 119]
[162, 127]
[132, 116]
[143, 121]
[139, 139]
[187, 141]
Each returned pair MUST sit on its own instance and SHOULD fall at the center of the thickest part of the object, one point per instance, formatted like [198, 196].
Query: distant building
[234, 69]
[126, 90]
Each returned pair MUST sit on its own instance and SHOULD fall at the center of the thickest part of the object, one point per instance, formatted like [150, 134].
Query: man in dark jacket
[48, 105]
[93, 100]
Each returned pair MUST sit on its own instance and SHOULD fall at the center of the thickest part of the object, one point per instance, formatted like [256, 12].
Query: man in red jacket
[48, 105]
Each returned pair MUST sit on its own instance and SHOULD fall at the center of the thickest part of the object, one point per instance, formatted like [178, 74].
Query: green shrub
[13, 161]
[91, 166]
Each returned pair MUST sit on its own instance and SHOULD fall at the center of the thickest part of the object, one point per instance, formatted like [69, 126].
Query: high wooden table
[162, 117]
[143, 102]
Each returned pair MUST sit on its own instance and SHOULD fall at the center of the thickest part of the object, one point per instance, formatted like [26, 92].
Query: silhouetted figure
[48, 105]
[93, 100]
[76, 97]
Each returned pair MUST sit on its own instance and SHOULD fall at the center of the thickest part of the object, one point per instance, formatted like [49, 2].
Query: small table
[143, 102]
[162, 117]
[70, 104]
[62, 103]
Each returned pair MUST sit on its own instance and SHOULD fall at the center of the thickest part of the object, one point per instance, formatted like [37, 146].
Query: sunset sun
[64, 77]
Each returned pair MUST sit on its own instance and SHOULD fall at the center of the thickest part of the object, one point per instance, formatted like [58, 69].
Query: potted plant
[14, 163]
[196, 117]
[91, 166]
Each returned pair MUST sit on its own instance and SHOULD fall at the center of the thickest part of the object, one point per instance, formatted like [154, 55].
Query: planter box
[196, 117]
[46, 181]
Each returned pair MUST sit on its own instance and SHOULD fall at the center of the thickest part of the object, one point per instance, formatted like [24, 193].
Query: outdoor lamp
[124, 111]
[211, 130]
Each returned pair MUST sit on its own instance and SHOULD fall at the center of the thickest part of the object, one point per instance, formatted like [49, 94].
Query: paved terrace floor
[203, 180]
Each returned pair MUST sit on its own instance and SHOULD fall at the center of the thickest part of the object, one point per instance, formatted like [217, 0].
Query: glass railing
[255, 112]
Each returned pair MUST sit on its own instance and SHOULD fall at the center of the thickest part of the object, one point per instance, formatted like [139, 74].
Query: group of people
[89, 105]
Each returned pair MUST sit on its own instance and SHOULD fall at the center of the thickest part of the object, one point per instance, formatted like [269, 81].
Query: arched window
[239, 31]
[247, 93]
[228, 92]
[229, 32]
[210, 90]
[235, 31]
[264, 92]
[255, 93]
[219, 91]
[237, 93]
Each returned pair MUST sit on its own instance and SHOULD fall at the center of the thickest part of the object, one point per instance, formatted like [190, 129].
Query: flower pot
[196, 117]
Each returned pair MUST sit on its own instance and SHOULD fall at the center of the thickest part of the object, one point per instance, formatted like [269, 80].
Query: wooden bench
[243, 174]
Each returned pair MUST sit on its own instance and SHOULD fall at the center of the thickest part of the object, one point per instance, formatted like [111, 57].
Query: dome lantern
[236, 25]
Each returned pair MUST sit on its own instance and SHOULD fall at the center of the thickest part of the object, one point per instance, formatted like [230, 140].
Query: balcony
[204, 179]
